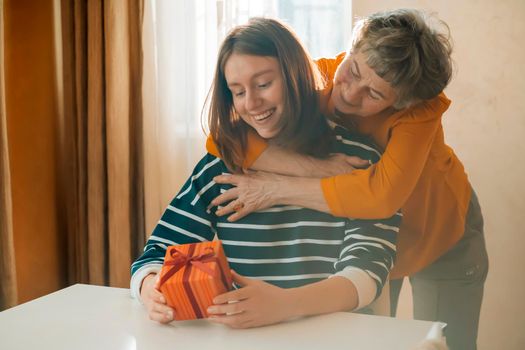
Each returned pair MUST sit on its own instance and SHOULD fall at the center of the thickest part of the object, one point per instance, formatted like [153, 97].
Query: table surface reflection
[93, 317]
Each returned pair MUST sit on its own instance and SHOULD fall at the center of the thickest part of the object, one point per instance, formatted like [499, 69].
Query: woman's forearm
[280, 161]
[262, 190]
[329, 295]
[300, 191]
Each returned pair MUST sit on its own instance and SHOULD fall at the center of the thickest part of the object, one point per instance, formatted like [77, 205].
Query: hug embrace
[326, 179]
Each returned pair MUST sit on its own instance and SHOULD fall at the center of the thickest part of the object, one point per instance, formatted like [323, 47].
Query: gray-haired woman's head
[404, 49]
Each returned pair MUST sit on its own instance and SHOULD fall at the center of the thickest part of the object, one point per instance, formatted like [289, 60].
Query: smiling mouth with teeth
[264, 116]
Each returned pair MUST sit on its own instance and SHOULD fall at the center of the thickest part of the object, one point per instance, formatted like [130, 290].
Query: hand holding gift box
[192, 275]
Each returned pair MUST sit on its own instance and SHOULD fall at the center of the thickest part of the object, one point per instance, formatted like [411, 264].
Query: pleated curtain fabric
[101, 138]
[8, 290]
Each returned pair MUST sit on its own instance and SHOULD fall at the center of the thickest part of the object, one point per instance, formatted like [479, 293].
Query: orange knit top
[417, 172]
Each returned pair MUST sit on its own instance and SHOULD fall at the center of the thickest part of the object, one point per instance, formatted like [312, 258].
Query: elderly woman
[388, 86]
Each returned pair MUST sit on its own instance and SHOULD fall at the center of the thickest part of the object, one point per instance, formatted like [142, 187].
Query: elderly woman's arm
[273, 159]
[263, 190]
[364, 193]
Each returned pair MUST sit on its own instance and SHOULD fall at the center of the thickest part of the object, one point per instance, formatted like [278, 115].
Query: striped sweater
[286, 246]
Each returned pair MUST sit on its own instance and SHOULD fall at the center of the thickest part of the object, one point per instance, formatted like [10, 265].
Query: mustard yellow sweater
[417, 172]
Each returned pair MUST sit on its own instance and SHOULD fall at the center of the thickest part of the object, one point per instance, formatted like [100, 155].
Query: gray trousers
[451, 289]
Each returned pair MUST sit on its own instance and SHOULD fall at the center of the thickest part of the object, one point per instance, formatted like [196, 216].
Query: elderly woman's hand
[253, 191]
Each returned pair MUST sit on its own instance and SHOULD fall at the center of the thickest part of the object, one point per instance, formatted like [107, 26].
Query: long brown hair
[303, 128]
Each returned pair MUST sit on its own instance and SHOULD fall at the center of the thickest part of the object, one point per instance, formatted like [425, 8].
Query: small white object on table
[93, 317]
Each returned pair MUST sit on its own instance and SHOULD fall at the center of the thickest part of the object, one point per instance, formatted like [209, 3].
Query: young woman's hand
[154, 301]
[256, 304]
[253, 191]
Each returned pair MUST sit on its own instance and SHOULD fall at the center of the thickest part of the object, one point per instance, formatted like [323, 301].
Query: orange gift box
[192, 275]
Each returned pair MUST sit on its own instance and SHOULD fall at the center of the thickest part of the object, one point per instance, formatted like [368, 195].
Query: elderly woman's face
[358, 90]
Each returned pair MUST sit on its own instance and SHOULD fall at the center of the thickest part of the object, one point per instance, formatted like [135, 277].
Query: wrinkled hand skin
[253, 191]
[154, 301]
[258, 190]
[256, 304]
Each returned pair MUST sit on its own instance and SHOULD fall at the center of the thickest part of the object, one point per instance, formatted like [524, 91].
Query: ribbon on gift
[180, 260]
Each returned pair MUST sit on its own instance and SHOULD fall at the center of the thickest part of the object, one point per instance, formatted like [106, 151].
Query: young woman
[389, 86]
[289, 261]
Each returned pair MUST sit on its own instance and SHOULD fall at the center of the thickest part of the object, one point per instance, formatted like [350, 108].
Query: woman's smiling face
[358, 90]
[257, 90]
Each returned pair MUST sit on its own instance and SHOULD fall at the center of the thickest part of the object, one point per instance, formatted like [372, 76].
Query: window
[323, 25]
[180, 39]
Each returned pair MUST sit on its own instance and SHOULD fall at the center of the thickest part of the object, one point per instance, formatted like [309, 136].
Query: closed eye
[265, 85]
[354, 75]
[373, 95]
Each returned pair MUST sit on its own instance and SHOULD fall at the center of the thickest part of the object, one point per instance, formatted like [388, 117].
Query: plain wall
[486, 127]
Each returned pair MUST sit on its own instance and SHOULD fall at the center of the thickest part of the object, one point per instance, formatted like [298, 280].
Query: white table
[92, 317]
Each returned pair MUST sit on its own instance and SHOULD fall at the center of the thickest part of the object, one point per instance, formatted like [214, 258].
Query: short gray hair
[403, 49]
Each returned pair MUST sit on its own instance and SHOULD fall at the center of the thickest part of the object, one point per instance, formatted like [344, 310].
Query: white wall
[486, 127]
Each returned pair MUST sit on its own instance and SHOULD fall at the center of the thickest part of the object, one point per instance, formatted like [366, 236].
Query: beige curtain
[101, 142]
[180, 45]
[8, 294]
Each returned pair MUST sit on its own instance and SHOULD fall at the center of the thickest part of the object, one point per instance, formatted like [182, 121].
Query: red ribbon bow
[181, 260]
